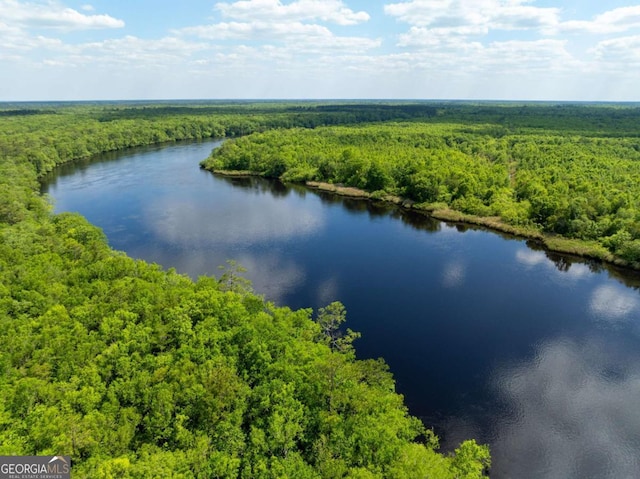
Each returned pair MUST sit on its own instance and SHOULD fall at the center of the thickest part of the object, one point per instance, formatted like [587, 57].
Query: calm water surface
[536, 354]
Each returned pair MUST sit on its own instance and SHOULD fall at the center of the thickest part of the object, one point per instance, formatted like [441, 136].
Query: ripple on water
[571, 413]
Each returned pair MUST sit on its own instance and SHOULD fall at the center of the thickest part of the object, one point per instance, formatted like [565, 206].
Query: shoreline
[558, 244]
[232, 173]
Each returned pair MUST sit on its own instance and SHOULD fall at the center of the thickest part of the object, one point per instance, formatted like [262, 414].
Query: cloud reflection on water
[531, 258]
[613, 304]
[574, 413]
[181, 222]
[272, 275]
[453, 274]
[221, 229]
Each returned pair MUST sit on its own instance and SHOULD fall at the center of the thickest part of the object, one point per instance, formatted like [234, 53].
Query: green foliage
[138, 372]
[330, 319]
[470, 460]
[562, 170]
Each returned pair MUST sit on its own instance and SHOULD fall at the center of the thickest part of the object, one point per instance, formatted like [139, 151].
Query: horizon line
[318, 100]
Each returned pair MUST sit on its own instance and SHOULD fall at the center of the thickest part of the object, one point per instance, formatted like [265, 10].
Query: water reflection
[185, 222]
[273, 188]
[328, 291]
[273, 275]
[561, 264]
[418, 221]
[378, 209]
[613, 304]
[573, 414]
[566, 263]
[528, 257]
[453, 274]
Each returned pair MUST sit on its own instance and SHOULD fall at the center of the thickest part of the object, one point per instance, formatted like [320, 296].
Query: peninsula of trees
[564, 174]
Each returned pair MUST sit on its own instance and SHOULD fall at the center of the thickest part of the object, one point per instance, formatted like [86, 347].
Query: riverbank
[234, 173]
[555, 243]
[585, 249]
[558, 244]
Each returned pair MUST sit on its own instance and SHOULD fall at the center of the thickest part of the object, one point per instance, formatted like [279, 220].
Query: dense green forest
[566, 174]
[140, 372]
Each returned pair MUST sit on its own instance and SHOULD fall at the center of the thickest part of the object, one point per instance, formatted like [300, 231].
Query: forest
[136, 371]
[564, 174]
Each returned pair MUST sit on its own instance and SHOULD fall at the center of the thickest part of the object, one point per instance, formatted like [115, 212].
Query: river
[536, 354]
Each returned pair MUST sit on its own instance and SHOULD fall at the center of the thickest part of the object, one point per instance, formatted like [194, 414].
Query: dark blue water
[535, 353]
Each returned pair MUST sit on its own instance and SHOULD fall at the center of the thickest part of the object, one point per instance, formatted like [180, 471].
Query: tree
[471, 460]
[330, 318]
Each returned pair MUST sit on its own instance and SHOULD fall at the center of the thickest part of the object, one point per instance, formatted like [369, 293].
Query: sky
[552, 50]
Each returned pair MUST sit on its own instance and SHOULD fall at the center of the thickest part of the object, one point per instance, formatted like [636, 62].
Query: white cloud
[458, 29]
[612, 21]
[129, 46]
[490, 47]
[296, 35]
[437, 37]
[623, 50]
[522, 17]
[423, 12]
[285, 30]
[473, 16]
[545, 54]
[14, 39]
[115, 53]
[444, 53]
[479, 17]
[334, 11]
[54, 63]
[508, 49]
[258, 31]
[11, 37]
[53, 15]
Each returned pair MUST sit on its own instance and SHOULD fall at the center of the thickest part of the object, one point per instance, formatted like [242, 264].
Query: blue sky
[404, 49]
